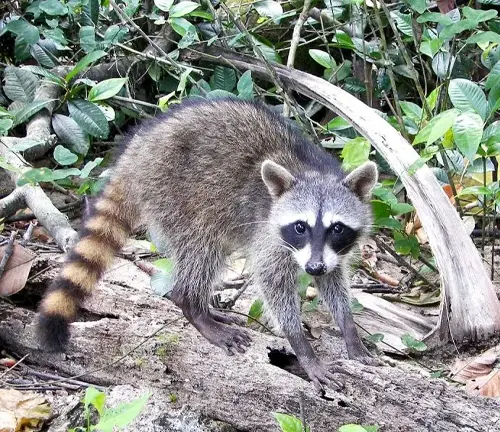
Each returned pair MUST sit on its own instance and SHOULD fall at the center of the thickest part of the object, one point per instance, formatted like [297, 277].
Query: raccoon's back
[202, 160]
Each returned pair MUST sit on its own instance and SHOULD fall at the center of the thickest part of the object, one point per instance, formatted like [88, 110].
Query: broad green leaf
[164, 264]
[375, 337]
[433, 97]
[478, 14]
[217, 94]
[20, 84]
[195, 90]
[43, 56]
[114, 34]
[468, 96]
[89, 166]
[355, 306]
[87, 38]
[71, 134]
[121, 416]
[90, 12]
[436, 127]
[224, 78]
[24, 144]
[338, 123]
[442, 64]
[493, 79]
[182, 8]
[352, 428]
[398, 209]
[84, 62]
[476, 190]
[106, 89]
[380, 209]
[413, 111]
[484, 37]
[29, 110]
[245, 86]
[435, 17]
[53, 7]
[36, 175]
[288, 423]
[355, 153]
[431, 47]
[95, 398]
[418, 5]
[388, 222]
[63, 156]
[164, 5]
[89, 117]
[406, 245]
[451, 30]
[5, 125]
[256, 311]
[182, 26]
[323, 58]
[468, 132]
[404, 22]
[268, 8]
[188, 39]
[162, 284]
[24, 29]
[412, 343]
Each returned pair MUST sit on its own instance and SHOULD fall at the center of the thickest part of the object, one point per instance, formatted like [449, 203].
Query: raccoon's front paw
[321, 375]
[230, 339]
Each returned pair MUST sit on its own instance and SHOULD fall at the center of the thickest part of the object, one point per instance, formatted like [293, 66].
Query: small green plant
[110, 419]
[290, 423]
[168, 344]
[358, 428]
[412, 343]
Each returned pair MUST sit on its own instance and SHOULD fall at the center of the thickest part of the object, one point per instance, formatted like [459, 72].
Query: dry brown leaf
[385, 278]
[487, 385]
[41, 234]
[421, 236]
[368, 254]
[22, 411]
[466, 370]
[16, 271]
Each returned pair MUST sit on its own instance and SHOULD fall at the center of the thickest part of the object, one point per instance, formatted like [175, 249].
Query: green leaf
[53, 7]
[380, 209]
[89, 117]
[404, 22]
[90, 12]
[476, 190]
[256, 310]
[493, 79]
[352, 428]
[356, 306]
[46, 74]
[5, 125]
[114, 34]
[413, 111]
[436, 17]
[43, 56]
[89, 166]
[164, 264]
[223, 78]
[24, 144]
[106, 89]
[245, 86]
[436, 127]
[164, 5]
[71, 134]
[337, 124]
[217, 94]
[183, 8]
[418, 5]
[162, 284]
[95, 398]
[269, 8]
[406, 245]
[63, 156]
[84, 62]
[182, 26]
[398, 209]
[323, 58]
[20, 84]
[23, 28]
[355, 153]
[458, 27]
[412, 343]
[388, 222]
[478, 14]
[433, 97]
[87, 38]
[29, 110]
[483, 37]
[468, 96]
[303, 282]
[120, 416]
[288, 423]
[468, 132]
[431, 47]
[375, 337]
[36, 175]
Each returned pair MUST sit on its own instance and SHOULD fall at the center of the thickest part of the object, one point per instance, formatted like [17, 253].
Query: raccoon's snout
[317, 268]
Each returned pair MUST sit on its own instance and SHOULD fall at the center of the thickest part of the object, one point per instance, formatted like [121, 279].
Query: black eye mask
[341, 238]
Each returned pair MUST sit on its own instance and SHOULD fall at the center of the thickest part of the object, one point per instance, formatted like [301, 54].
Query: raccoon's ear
[362, 180]
[277, 178]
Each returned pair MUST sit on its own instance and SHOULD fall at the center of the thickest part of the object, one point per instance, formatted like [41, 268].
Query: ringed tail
[104, 233]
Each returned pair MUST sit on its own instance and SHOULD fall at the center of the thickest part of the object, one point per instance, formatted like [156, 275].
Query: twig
[8, 252]
[27, 235]
[302, 411]
[13, 366]
[402, 262]
[295, 41]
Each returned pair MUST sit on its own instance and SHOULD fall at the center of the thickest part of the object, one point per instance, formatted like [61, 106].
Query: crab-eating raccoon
[212, 176]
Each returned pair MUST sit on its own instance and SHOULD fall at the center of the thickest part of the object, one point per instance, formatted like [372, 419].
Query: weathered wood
[242, 390]
[470, 309]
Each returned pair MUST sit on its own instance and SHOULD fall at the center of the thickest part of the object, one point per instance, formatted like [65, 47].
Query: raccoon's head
[319, 217]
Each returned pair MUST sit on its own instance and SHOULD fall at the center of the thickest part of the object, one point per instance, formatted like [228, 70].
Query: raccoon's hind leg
[197, 268]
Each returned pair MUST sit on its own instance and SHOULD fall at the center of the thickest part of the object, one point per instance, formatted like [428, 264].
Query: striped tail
[104, 234]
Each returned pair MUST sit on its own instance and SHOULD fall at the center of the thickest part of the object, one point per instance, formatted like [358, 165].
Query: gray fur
[198, 178]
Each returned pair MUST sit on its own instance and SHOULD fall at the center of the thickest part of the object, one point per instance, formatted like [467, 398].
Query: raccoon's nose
[316, 268]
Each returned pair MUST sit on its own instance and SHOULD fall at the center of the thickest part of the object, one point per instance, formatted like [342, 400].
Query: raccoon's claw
[321, 375]
[369, 361]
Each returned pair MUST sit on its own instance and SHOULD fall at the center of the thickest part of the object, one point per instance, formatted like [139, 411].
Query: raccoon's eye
[338, 228]
[300, 227]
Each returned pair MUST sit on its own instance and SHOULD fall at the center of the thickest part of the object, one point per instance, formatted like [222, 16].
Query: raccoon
[210, 177]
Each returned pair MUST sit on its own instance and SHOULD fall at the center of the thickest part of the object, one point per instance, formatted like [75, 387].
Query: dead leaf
[17, 270]
[7, 362]
[421, 236]
[368, 254]
[466, 370]
[385, 278]
[41, 234]
[487, 385]
[418, 298]
[22, 411]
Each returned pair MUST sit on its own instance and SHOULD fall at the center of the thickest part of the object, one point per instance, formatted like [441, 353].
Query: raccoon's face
[319, 218]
